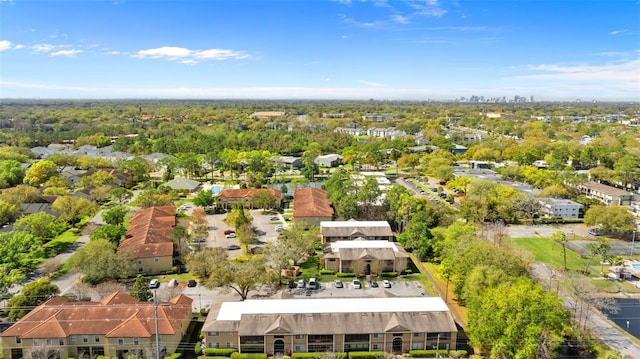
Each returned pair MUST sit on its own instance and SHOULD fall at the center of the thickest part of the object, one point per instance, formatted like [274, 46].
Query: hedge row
[431, 353]
[388, 274]
[219, 352]
[313, 355]
[327, 272]
[367, 355]
[345, 275]
[174, 356]
[237, 355]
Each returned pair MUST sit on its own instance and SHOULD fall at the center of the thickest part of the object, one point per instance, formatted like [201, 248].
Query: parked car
[154, 283]
[356, 284]
[386, 283]
[595, 232]
[233, 247]
[192, 283]
[301, 283]
[313, 284]
[230, 235]
[338, 283]
[229, 231]
[374, 284]
[172, 283]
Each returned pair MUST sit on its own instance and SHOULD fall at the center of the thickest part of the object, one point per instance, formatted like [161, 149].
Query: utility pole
[155, 316]
[633, 241]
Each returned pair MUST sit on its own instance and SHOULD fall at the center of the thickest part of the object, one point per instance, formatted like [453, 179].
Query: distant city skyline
[322, 49]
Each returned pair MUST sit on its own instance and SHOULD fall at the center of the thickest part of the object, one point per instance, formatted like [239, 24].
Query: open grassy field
[549, 252]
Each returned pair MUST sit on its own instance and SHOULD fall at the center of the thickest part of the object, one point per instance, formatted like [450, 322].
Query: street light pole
[633, 241]
[155, 315]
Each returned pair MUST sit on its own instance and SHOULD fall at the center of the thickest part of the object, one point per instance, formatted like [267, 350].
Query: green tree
[204, 198]
[265, 200]
[154, 197]
[140, 289]
[99, 262]
[179, 237]
[41, 224]
[40, 172]
[21, 194]
[32, 295]
[561, 237]
[610, 219]
[11, 173]
[138, 168]
[240, 277]
[8, 212]
[110, 232]
[517, 320]
[121, 194]
[72, 209]
[202, 263]
[627, 169]
[115, 215]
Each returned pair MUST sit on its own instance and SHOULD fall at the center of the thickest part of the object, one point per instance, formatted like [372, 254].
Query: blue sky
[320, 49]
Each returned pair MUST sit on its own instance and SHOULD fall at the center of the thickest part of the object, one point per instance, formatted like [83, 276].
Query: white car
[386, 283]
[154, 283]
[230, 235]
[356, 284]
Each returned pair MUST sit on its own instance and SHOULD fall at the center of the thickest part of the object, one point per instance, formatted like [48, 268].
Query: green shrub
[174, 356]
[237, 355]
[459, 353]
[220, 352]
[367, 355]
[389, 274]
[327, 272]
[345, 275]
[197, 348]
[429, 353]
[314, 355]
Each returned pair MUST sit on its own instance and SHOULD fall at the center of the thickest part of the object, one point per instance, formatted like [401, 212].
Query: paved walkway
[595, 323]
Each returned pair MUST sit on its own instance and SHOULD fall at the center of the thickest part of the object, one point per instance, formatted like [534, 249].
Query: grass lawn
[61, 242]
[549, 252]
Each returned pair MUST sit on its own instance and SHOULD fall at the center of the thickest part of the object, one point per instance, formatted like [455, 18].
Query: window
[214, 345]
[377, 335]
[61, 341]
[36, 342]
[18, 340]
[156, 259]
[136, 341]
[120, 341]
[72, 338]
[229, 345]
[417, 335]
[140, 261]
[377, 347]
[229, 334]
[299, 336]
[212, 334]
[85, 338]
[416, 346]
[140, 269]
[48, 341]
[96, 338]
[299, 348]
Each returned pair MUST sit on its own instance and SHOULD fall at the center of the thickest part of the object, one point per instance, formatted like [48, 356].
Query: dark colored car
[233, 247]
[192, 283]
[374, 284]
[229, 231]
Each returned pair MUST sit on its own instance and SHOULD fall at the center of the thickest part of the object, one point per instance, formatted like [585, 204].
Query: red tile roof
[247, 192]
[149, 233]
[311, 202]
[118, 315]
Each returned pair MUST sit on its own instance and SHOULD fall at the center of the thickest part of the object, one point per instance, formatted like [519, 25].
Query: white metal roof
[235, 310]
[363, 244]
[354, 224]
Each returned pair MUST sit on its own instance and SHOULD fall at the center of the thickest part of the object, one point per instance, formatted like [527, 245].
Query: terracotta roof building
[247, 197]
[119, 324]
[311, 206]
[394, 325]
[148, 239]
[350, 230]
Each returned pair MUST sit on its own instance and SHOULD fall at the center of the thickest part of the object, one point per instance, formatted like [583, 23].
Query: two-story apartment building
[148, 239]
[115, 326]
[311, 206]
[367, 257]
[394, 325]
[245, 197]
[562, 208]
[606, 194]
[350, 230]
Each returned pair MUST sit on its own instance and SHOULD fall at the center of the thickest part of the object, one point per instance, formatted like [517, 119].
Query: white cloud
[400, 19]
[616, 32]
[5, 45]
[344, 37]
[43, 48]
[113, 53]
[187, 56]
[19, 46]
[66, 52]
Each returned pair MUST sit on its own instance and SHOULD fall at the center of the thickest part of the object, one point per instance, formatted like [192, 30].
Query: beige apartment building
[394, 324]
